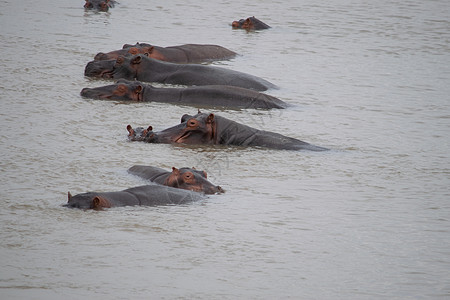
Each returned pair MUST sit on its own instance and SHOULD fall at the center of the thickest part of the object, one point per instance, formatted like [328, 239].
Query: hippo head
[198, 129]
[191, 179]
[139, 133]
[126, 67]
[87, 201]
[137, 45]
[100, 68]
[251, 23]
[122, 90]
[102, 5]
[123, 67]
[124, 52]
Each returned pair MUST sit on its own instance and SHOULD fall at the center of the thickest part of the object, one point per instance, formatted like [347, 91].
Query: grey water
[368, 219]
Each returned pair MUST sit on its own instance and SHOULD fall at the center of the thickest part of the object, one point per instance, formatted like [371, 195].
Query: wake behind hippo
[142, 68]
[208, 95]
[211, 129]
[146, 195]
[188, 53]
[183, 178]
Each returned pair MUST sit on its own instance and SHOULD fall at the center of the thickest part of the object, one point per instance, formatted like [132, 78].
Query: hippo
[188, 53]
[102, 5]
[183, 178]
[99, 68]
[208, 95]
[148, 195]
[143, 68]
[251, 23]
[211, 129]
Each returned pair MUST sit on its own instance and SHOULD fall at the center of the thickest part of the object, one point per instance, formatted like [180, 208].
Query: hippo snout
[235, 24]
[88, 93]
[85, 91]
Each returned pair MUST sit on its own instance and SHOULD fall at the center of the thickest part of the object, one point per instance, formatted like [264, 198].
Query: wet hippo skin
[183, 178]
[102, 5]
[188, 53]
[149, 195]
[142, 68]
[251, 23]
[208, 95]
[211, 129]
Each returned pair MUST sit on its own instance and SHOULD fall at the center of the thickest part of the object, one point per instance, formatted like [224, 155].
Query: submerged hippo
[102, 5]
[188, 53]
[149, 195]
[143, 68]
[251, 23]
[183, 178]
[216, 130]
[210, 95]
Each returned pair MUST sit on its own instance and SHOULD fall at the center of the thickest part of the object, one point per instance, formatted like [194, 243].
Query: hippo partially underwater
[211, 129]
[143, 68]
[207, 95]
[188, 53]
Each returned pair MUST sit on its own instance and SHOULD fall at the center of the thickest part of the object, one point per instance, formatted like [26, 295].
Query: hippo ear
[136, 60]
[149, 128]
[69, 196]
[205, 174]
[138, 89]
[175, 171]
[129, 128]
[172, 179]
[199, 112]
[210, 118]
[100, 202]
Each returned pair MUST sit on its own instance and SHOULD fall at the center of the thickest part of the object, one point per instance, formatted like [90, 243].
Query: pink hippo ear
[138, 89]
[149, 128]
[130, 129]
[172, 180]
[100, 202]
[136, 60]
[210, 118]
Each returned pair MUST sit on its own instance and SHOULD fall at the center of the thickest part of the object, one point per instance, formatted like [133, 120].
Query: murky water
[368, 219]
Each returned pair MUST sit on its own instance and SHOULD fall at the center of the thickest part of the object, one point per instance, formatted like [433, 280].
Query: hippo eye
[119, 60]
[121, 88]
[133, 51]
[192, 123]
[188, 176]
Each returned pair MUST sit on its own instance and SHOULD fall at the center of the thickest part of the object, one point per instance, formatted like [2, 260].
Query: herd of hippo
[134, 66]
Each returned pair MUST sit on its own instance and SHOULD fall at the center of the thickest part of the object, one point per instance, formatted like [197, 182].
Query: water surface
[367, 220]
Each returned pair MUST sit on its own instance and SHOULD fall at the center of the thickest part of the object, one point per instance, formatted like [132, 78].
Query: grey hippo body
[187, 53]
[182, 178]
[142, 68]
[208, 95]
[146, 195]
[211, 129]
